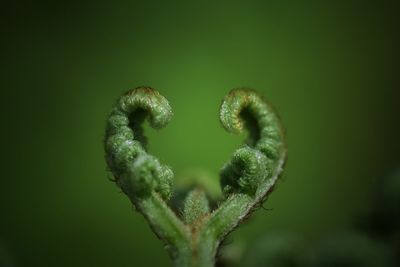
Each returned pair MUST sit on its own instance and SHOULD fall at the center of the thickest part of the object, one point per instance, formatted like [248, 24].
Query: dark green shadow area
[331, 71]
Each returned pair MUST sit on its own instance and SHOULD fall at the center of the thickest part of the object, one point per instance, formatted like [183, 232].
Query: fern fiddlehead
[193, 238]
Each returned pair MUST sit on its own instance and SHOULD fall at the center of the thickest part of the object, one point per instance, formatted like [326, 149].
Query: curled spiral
[133, 168]
[255, 162]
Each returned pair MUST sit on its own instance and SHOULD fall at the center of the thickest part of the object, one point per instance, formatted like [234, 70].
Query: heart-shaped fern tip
[193, 234]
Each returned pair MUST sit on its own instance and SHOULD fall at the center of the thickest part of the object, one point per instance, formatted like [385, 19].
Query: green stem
[201, 253]
[166, 225]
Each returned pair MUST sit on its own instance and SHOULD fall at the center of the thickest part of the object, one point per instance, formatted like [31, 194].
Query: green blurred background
[330, 69]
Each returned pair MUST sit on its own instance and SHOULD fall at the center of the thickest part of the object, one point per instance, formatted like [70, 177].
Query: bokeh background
[329, 67]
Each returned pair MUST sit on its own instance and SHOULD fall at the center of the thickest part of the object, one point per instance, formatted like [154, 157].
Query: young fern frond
[141, 176]
[251, 174]
[193, 238]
